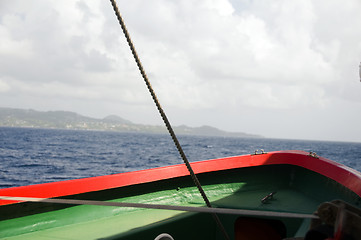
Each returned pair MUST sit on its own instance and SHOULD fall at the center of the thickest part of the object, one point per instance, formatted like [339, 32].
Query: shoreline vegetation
[11, 117]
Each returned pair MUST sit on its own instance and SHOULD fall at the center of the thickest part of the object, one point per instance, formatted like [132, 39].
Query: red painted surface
[338, 172]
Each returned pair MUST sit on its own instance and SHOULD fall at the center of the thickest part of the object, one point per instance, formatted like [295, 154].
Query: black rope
[163, 115]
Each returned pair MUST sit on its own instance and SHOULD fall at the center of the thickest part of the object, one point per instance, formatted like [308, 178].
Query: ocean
[32, 156]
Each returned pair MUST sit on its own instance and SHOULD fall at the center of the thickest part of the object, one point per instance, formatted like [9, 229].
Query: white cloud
[222, 7]
[11, 47]
[204, 56]
[242, 53]
[4, 87]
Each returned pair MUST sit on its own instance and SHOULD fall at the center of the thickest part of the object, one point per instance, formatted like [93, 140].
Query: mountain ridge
[13, 117]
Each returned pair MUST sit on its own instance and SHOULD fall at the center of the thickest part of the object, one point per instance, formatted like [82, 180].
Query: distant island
[10, 117]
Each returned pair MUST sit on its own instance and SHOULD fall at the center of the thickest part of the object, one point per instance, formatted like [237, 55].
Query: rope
[230, 211]
[163, 115]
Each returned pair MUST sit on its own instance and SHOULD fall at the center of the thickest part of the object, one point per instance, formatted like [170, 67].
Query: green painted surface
[296, 188]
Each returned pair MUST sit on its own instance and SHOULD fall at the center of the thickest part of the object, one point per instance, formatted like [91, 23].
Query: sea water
[31, 156]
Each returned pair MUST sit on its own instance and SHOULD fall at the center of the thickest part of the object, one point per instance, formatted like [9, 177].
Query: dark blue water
[31, 156]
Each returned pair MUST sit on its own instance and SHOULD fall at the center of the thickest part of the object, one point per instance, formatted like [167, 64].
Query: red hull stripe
[348, 177]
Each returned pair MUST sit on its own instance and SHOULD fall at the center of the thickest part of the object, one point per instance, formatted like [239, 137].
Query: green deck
[298, 191]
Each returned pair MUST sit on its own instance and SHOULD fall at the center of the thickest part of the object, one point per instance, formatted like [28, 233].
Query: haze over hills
[10, 117]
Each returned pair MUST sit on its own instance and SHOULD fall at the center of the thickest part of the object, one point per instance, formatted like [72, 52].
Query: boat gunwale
[342, 174]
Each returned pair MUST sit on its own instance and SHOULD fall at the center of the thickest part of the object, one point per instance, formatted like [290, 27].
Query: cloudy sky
[281, 68]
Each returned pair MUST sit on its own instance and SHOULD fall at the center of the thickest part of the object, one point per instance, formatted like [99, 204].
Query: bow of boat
[267, 185]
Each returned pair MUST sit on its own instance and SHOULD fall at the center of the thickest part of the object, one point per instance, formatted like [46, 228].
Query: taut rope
[163, 115]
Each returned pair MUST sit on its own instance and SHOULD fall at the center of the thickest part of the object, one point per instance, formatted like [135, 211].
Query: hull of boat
[300, 182]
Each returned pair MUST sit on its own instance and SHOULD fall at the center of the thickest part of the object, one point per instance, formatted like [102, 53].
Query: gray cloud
[280, 60]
